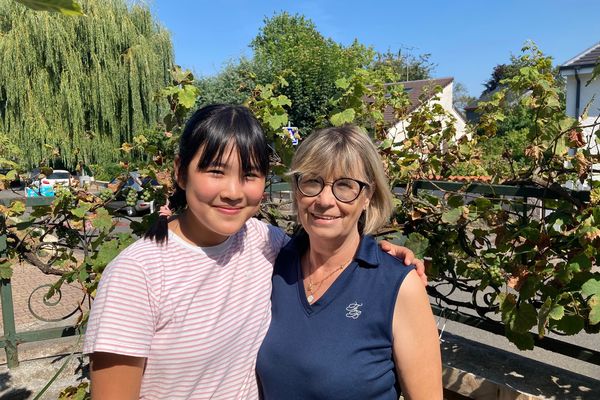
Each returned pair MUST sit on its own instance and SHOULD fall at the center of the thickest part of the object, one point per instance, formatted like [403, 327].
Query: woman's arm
[416, 344]
[115, 376]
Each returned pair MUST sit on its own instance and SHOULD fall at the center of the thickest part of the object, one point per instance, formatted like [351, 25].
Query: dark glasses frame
[361, 186]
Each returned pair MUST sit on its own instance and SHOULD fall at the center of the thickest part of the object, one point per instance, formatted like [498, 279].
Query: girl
[181, 313]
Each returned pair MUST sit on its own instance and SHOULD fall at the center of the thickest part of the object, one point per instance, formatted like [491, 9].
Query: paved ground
[29, 286]
[40, 361]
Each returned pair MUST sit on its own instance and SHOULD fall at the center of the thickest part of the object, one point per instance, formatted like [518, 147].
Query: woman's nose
[326, 196]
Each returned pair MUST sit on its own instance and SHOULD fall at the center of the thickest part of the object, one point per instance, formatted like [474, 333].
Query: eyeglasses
[345, 190]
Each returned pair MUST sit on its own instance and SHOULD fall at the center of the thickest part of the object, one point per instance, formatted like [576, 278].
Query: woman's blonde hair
[350, 151]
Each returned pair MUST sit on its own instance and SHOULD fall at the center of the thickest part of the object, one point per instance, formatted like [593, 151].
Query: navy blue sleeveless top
[340, 347]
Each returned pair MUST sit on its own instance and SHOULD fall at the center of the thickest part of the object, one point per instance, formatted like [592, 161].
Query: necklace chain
[312, 288]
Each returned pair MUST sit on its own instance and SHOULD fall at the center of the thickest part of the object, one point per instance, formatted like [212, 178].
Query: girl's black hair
[210, 130]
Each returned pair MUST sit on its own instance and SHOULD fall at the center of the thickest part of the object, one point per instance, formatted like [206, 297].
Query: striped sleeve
[273, 237]
[124, 313]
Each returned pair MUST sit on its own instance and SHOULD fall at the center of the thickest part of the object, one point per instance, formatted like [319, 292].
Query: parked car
[141, 206]
[57, 177]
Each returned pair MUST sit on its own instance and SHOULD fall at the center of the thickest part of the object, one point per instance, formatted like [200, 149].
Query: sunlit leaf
[187, 97]
[594, 303]
[557, 312]
[344, 117]
[591, 287]
[452, 216]
[6, 270]
[102, 220]
[66, 7]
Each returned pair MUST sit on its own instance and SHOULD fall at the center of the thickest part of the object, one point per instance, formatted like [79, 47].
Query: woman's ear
[368, 195]
[178, 175]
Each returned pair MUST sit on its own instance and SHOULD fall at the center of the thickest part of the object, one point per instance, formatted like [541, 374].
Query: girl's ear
[178, 176]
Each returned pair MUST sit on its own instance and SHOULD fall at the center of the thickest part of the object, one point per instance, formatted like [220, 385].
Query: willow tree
[80, 86]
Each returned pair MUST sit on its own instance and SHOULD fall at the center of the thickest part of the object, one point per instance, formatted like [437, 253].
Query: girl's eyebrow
[216, 164]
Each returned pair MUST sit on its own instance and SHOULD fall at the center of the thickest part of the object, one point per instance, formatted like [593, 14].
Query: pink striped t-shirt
[198, 315]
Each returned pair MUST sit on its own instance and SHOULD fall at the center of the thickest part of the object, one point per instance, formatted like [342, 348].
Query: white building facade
[583, 97]
[417, 88]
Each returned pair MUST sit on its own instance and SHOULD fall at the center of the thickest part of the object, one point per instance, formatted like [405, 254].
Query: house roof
[587, 58]
[414, 90]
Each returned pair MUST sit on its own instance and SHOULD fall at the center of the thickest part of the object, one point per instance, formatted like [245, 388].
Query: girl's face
[220, 198]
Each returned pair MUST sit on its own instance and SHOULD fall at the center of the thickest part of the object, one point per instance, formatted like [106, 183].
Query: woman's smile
[324, 218]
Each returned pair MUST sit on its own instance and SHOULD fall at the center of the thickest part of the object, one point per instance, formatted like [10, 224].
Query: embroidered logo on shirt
[353, 311]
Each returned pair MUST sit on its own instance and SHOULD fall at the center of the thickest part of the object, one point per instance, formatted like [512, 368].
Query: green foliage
[292, 43]
[404, 67]
[461, 98]
[9, 152]
[271, 109]
[291, 47]
[233, 85]
[75, 393]
[66, 7]
[76, 88]
[539, 269]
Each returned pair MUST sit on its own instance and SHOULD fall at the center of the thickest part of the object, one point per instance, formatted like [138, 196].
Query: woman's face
[220, 198]
[324, 217]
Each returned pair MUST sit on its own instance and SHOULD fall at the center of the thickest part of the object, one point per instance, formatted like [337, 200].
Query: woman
[347, 323]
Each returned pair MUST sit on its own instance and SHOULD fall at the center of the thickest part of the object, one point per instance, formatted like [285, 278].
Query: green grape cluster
[496, 275]
[105, 195]
[131, 198]
[147, 195]
[61, 191]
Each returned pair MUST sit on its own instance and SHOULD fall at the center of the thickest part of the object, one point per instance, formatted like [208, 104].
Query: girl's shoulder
[143, 249]
[142, 255]
[266, 234]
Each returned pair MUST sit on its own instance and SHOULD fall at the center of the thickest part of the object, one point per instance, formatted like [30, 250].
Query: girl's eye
[251, 175]
[215, 171]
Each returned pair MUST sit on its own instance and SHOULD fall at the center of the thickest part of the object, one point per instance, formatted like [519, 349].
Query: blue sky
[466, 38]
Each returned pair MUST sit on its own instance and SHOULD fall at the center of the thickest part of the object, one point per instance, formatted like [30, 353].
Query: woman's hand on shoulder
[406, 254]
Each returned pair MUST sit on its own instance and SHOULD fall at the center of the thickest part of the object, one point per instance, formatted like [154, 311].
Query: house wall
[589, 94]
[398, 131]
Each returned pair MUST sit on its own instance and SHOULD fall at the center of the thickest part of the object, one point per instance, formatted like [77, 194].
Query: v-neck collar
[366, 255]
[330, 294]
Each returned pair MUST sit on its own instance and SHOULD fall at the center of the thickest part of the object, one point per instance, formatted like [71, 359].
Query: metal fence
[11, 338]
[443, 307]
[530, 203]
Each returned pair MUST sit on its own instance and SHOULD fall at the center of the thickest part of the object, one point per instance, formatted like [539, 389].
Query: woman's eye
[311, 182]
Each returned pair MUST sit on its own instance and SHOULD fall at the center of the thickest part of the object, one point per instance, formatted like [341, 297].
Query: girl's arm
[416, 344]
[115, 376]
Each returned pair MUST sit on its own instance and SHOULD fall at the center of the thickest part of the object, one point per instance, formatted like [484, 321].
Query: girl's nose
[232, 189]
